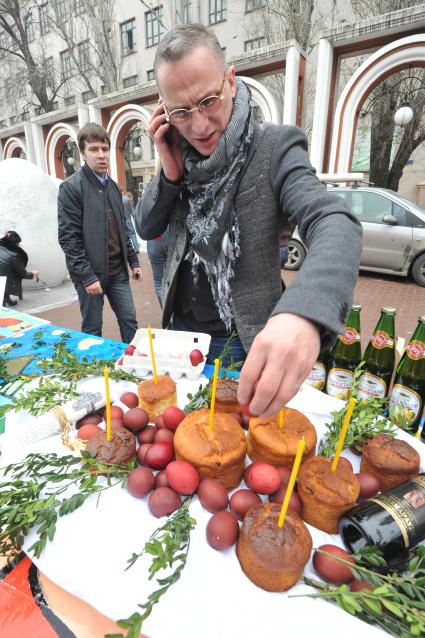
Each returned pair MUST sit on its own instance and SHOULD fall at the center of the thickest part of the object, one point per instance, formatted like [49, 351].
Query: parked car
[393, 232]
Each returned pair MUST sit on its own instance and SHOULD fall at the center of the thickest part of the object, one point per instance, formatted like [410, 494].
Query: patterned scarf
[214, 237]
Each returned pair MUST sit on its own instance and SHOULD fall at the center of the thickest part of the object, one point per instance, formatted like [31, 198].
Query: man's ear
[231, 77]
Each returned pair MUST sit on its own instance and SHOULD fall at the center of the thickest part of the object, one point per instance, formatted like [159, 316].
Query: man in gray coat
[93, 235]
[227, 189]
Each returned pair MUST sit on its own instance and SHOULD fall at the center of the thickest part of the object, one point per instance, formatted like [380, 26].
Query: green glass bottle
[379, 358]
[317, 376]
[408, 392]
[345, 356]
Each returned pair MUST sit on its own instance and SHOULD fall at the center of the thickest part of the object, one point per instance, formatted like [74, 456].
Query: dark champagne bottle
[317, 376]
[345, 357]
[408, 392]
[379, 359]
[394, 522]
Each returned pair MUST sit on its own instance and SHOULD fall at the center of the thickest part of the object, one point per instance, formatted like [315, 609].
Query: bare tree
[29, 62]
[280, 20]
[102, 25]
[74, 33]
[391, 147]
[368, 8]
[92, 41]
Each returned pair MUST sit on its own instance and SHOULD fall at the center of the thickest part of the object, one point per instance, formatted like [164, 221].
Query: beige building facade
[290, 83]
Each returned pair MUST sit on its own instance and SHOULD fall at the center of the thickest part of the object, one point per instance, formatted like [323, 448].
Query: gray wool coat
[278, 187]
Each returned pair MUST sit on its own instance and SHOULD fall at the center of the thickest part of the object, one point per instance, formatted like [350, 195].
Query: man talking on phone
[227, 189]
[94, 238]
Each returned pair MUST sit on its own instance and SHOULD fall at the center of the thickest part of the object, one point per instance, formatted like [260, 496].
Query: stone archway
[55, 142]
[265, 99]
[394, 57]
[118, 127]
[14, 147]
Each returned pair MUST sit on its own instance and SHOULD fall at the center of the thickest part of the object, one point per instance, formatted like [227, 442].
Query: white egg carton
[171, 349]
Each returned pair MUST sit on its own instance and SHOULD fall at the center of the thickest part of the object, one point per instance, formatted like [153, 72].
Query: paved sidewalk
[68, 316]
[372, 291]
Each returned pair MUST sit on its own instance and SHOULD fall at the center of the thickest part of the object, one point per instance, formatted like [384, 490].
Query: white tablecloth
[213, 598]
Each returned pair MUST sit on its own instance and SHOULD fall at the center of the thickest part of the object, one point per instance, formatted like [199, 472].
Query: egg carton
[172, 350]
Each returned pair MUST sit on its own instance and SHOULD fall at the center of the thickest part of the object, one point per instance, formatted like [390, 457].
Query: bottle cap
[356, 306]
[388, 310]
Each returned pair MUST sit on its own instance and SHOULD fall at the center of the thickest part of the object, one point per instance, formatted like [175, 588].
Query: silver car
[393, 232]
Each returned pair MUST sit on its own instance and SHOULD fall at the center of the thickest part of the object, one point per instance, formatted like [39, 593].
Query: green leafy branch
[395, 602]
[366, 422]
[33, 495]
[168, 545]
[48, 394]
[68, 366]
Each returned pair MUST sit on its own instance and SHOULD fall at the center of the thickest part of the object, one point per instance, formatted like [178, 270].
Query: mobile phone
[168, 137]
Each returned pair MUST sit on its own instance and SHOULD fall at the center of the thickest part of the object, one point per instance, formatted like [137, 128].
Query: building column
[95, 114]
[321, 104]
[38, 141]
[292, 76]
[83, 115]
[29, 143]
[1, 151]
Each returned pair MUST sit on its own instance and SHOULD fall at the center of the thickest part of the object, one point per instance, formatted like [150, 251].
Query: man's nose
[199, 122]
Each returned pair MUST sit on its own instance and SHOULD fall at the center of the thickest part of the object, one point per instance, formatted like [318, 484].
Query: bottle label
[351, 335]
[404, 402]
[317, 376]
[415, 350]
[371, 386]
[382, 340]
[339, 383]
[406, 505]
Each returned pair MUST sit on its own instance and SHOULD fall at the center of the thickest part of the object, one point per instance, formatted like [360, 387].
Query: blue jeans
[118, 291]
[235, 353]
[157, 253]
[283, 255]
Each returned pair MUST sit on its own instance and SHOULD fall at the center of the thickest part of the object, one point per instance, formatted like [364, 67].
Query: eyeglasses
[207, 106]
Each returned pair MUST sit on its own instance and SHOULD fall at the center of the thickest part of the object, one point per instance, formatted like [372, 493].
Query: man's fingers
[250, 373]
[268, 387]
[155, 124]
[287, 390]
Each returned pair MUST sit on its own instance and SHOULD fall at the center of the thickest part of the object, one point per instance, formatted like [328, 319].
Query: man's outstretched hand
[279, 360]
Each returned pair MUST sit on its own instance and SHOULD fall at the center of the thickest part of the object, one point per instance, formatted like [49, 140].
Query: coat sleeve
[70, 234]
[132, 257]
[154, 208]
[19, 268]
[323, 290]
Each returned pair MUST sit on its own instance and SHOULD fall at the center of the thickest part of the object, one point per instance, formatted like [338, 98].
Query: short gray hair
[181, 40]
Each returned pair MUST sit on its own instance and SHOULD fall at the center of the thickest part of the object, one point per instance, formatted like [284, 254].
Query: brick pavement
[372, 291]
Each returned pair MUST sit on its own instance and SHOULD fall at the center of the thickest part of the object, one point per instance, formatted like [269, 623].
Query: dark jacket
[12, 265]
[83, 226]
[277, 188]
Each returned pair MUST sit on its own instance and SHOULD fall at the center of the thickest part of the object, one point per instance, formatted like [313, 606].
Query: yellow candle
[155, 378]
[108, 405]
[351, 404]
[214, 390]
[281, 419]
[418, 432]
[292, 479]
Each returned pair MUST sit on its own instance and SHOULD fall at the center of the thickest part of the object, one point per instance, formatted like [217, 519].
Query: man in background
[94, 238]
